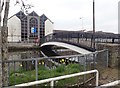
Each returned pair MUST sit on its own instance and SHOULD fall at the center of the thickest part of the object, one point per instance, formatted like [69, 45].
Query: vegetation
[22, 76]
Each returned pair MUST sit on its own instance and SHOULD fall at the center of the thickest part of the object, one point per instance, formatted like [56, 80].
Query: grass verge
[22, 76]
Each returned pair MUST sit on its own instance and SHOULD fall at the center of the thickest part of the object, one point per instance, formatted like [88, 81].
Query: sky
[66, 14]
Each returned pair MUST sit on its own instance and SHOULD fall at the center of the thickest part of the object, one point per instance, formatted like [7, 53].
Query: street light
[82, 22]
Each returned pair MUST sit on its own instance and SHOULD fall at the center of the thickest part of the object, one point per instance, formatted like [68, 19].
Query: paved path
[109, 75]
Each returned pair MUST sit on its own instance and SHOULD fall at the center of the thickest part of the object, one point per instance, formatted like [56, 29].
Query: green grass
[22, 76]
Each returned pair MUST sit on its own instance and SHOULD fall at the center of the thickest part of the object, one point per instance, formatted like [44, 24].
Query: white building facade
[14, 29]
[48, 27]
[28, 28]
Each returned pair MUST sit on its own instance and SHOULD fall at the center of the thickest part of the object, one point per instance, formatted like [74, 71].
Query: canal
[31, 55]
[17, 55]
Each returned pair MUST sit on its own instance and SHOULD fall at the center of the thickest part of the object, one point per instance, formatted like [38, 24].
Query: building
[28, 28]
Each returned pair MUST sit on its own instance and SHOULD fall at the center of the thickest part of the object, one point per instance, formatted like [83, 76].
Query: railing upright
[36, 69]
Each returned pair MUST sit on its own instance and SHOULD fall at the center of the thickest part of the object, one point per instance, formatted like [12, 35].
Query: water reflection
[26, 65]
[30, 65]
[24, 55]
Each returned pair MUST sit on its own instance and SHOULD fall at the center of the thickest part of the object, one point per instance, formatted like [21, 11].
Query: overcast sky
[66, 14]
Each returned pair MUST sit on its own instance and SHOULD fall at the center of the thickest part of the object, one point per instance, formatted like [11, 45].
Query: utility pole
[93, 24]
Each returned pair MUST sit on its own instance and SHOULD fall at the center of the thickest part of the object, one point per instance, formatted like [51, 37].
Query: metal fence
[80, 38]
[30, 69]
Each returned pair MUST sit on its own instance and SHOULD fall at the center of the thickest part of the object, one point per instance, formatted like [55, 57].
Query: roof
[22, 16]
[33, 13]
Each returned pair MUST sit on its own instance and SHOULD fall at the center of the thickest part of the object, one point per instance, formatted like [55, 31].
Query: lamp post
[82, 22]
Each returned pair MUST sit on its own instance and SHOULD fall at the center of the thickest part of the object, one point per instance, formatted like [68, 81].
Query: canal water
[24, 55]
[33, 55]
[36, 54]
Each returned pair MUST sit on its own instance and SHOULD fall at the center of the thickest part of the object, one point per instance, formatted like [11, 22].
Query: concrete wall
[14, 29]
[113, 50]
[48, 27]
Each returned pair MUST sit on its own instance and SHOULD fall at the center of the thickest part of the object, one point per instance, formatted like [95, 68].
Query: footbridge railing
[83, 38]
[67, 38]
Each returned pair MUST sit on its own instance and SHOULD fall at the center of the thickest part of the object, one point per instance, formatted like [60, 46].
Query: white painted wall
[48, 27]
[14, 29]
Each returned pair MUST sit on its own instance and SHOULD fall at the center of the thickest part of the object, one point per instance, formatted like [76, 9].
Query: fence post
[52, 84]
[94, 60]
[107, 57]
[14, 72]
[85, 62]
[36, 69]
[97, 78]
[8, 73]
[85, 67]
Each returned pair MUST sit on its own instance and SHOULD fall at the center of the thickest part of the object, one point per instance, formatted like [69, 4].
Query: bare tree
[24, 7]
[5, 45]
[3, 39]
[0, 49]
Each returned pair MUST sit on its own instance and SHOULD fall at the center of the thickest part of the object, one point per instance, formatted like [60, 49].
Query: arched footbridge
[81, 42]
[46, 48]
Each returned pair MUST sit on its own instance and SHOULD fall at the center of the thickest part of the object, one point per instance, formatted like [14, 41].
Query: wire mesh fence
[27, 70]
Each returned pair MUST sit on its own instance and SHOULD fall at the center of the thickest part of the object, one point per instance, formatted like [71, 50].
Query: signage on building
[33, 30]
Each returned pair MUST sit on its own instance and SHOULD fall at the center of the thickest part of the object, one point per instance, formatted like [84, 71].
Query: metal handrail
[51, 80]
[67, 36]
[109, 84]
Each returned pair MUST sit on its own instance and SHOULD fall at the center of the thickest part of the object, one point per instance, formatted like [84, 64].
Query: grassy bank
[22, 76]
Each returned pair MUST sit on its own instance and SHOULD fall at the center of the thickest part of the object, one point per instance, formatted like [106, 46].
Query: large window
[33, 28]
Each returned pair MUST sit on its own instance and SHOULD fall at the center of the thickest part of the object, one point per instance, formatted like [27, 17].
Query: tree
[0, 49]
[3, 39]
[3, 44]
